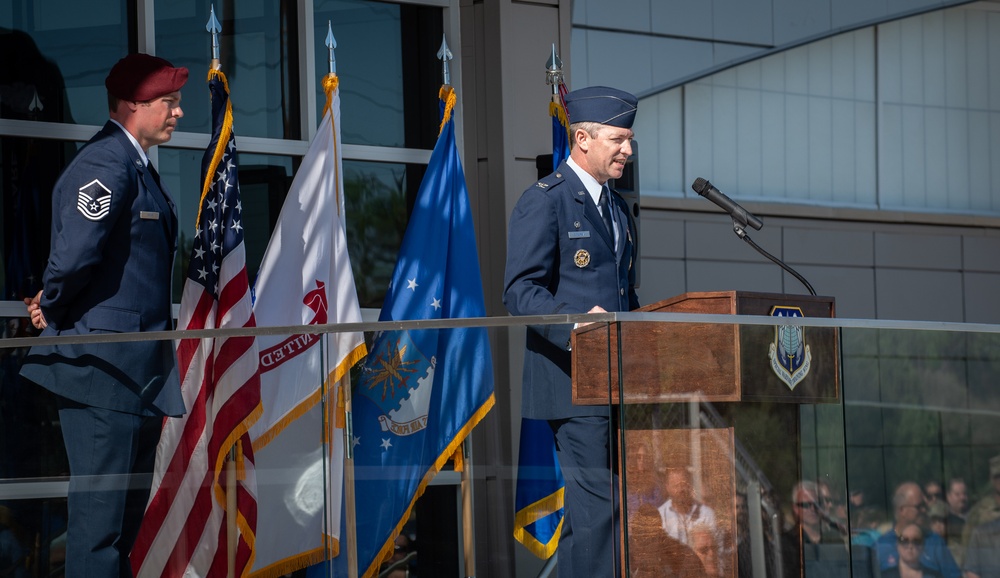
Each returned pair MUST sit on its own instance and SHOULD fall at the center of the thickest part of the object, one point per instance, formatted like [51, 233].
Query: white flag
[305, 279]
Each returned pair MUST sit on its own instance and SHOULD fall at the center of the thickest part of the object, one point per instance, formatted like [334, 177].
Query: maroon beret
[141, 77]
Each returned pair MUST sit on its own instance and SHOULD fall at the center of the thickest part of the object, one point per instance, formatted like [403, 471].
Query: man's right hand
[35, 311]
[594, 309]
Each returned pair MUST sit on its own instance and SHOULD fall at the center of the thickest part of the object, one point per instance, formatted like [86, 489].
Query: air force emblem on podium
[789, 354]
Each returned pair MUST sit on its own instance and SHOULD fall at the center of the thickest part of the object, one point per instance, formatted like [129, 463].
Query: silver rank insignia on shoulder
[94, 200]
[542, 185]
[582, 258]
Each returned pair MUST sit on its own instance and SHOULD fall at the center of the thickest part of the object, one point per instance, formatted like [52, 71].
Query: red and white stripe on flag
[184, 529]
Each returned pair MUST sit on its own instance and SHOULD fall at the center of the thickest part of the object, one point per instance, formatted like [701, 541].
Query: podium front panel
[667, 362]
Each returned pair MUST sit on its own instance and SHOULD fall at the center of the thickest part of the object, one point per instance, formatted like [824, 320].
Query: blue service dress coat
[114, 236]
[561, 260]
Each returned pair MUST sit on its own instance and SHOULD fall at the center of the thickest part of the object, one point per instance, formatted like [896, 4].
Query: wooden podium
[666, 362]
[671, 362]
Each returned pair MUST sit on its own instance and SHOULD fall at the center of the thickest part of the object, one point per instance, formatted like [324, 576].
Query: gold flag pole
[344, 394]
[468, 533]
[350, 526]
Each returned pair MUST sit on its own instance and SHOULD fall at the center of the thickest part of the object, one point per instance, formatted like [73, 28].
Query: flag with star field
[421, 391]
[184, 528]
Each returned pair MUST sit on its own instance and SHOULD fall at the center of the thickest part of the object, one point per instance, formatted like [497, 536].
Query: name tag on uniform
[150, 215]
[579, 234]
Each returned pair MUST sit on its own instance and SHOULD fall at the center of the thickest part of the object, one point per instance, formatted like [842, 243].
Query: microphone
[741, 215]
[741, 219]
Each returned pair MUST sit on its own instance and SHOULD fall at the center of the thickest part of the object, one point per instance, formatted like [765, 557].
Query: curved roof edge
[796, 43]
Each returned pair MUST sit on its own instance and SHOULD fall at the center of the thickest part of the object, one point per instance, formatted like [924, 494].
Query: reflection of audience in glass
[909, 508]
[982, 554]
[910, 542]
[933, 492]
[683, 511]
[654, 554]
[398, 565]
[645, 485]
[856, 498]
[957, 498]
[988, 508]
[865, 523]
[832, 504]
[806, 529]
[937, 516]
[805, 509]
[704, 545]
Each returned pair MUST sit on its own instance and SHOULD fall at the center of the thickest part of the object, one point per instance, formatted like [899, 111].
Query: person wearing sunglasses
[799, 542]
[910, 542]
[933, 492]
[910, 509]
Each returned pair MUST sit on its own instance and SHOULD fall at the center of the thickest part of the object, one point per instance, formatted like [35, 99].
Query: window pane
[388, 69]
[264, 182]
[259, 58]
[378, 197]
[378, 200]
[28, 171]
[64, 49]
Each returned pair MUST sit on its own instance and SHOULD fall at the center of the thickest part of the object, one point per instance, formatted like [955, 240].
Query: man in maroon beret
[114, 234]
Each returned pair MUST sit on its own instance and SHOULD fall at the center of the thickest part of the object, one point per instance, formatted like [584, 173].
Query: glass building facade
[900, 116]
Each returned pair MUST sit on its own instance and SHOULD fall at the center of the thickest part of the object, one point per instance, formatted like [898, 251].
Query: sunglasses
[915, 542]
[807, 505]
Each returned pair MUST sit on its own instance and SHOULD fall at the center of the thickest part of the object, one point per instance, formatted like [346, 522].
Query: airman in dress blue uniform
[114, 235]
[572, 249]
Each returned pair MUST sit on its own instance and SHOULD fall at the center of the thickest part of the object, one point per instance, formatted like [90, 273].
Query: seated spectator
[654, 554]
[982, 554]
[911, 547]
[704, 545]
[957, 497]
[865, 522]
[988, 508]
[910, 508]
[682, 510]
[744, 551]
[832, 504]
[937, 516]
[806, 531]
[933, 492]
[645, 479]
[856, 498]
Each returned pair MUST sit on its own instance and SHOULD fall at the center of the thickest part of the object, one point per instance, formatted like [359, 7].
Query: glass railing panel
[714, 478]
[820, 486]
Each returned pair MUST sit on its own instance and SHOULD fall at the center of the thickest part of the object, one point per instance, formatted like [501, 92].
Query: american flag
[184, 528]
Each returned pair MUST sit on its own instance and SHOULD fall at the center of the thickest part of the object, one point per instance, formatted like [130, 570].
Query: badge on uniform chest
[579, 234]
[582, 258]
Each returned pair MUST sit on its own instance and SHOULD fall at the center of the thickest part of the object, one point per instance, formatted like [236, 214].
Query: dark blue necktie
[605, 202]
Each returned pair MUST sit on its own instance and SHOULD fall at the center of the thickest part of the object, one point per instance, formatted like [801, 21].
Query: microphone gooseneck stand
[741, 232]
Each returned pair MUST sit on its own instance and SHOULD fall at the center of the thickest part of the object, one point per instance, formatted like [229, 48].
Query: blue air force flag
[421, 391]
